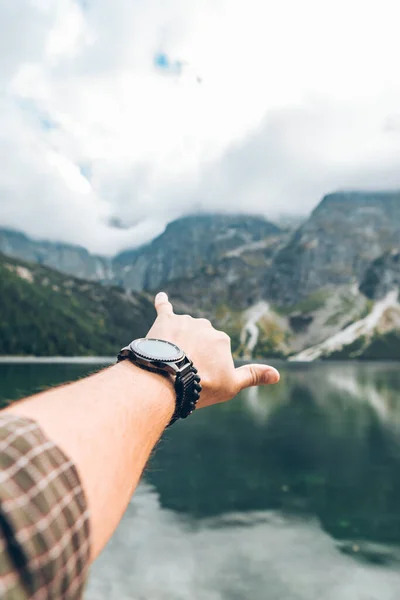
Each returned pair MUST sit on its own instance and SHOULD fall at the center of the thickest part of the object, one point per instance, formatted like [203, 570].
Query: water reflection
[324, 443]
[157, 554]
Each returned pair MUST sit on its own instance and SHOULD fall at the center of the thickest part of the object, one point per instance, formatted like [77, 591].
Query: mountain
[211, 264]
[328, 289]
[303, 293]
[374, 335]
[335, 245]
[67, 258]
[191, 245]
[44, 312]
[336, 279]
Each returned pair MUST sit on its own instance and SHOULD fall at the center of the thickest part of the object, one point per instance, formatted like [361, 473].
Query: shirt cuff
[44, 520]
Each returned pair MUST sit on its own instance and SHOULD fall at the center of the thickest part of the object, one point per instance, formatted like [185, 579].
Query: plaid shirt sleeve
[44, 525]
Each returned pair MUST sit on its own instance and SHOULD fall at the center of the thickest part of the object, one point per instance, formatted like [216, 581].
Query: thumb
[251, 375]
[163, 305]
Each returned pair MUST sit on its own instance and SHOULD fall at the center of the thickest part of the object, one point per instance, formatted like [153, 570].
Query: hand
[210, 351]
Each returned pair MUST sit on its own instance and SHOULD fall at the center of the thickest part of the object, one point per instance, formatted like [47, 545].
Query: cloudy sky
[117, 116]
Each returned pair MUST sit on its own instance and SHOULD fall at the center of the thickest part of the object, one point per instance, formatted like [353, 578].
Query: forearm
[108, 425]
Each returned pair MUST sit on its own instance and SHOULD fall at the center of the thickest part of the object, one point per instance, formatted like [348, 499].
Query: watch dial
[158, 350]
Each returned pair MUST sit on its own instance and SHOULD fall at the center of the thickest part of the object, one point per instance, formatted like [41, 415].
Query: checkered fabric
[44, 525]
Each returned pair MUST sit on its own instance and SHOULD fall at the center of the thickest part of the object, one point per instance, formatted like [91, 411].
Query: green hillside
[46, 313]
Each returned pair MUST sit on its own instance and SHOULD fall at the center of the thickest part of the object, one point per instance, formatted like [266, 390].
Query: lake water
[289, 492]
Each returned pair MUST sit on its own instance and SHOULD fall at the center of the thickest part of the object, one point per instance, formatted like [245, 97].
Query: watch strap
[187, 388]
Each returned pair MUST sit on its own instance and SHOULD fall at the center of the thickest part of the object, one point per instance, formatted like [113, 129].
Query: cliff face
[382, 275]
[191, 246]
[335, 245]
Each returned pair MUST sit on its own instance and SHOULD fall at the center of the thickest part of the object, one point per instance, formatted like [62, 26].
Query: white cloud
[273, 105]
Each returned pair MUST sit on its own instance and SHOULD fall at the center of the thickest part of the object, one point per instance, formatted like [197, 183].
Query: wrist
[166, 359]
[157, 391]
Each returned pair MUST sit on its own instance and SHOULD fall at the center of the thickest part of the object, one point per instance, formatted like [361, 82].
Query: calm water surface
[287, 493]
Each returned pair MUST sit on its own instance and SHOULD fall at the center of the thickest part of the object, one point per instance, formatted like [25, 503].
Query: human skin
[109, 422]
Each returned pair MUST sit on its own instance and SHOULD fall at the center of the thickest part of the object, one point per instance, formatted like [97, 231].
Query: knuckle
[164, 303]
[224, 336]
[253, 379]
[186, 318]
[204, 322]
[166, 316]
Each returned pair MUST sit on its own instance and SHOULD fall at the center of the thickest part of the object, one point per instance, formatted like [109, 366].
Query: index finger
[163, 305]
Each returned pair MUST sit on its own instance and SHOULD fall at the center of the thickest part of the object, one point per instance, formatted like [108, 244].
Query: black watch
[160, 356]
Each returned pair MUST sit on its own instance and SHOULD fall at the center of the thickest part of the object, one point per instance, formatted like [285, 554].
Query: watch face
[157, 349]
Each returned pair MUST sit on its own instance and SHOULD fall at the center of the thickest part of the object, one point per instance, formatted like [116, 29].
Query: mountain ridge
[44, 312]
[275, 291]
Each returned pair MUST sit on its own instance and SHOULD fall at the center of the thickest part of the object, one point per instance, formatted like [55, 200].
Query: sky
[118, 116]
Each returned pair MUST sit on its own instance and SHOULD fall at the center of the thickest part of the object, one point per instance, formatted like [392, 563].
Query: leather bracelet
[187, 388]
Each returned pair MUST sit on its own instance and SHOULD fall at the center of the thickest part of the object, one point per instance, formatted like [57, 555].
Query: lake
[289, 492]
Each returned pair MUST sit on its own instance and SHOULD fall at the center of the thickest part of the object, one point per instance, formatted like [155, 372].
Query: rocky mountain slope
[336, 244]
[327, 289]
[330, 287]
[382, 275]
[67, 258]
[44, 312]
[192, 245]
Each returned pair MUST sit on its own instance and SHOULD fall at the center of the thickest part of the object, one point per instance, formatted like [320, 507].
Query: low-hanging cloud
[137, 113]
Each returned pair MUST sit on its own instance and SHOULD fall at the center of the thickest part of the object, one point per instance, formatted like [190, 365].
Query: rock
[335, 245]
[190, 246]
[382, 275]
[299, 322]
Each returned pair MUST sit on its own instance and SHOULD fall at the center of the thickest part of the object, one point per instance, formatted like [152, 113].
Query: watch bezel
[133, 346]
